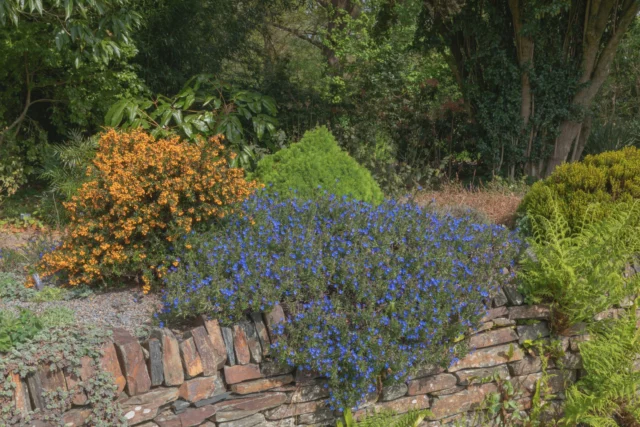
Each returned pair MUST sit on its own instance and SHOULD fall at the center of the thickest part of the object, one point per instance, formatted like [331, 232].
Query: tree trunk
[569, 131]
[582, 139]
[596, 63]
[525, 51]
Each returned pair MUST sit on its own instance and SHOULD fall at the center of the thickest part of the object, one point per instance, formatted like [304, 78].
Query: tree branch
[596, 20]
[299, 34]
[27, 104]
[601, 70]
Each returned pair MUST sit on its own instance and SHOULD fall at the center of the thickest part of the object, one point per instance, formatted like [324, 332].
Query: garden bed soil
[13, 239]
[16, 239]
[499, 207]
[128, 309]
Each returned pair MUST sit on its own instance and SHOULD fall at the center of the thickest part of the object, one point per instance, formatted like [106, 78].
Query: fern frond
[611, 385]
[67, 163]
[583, 273]
[412, 419]
[386, 419]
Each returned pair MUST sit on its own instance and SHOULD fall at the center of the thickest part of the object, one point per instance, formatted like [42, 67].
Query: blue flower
[370, 292]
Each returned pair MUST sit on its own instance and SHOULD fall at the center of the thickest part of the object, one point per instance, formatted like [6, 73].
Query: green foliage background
[381, 75]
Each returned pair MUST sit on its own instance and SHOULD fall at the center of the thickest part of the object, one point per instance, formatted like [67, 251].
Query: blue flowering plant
[370, 293]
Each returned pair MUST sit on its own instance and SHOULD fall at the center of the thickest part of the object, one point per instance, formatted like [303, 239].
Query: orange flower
[143, 191]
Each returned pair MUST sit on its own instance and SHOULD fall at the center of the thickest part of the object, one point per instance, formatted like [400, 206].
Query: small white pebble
[129, 415]
[138, 408]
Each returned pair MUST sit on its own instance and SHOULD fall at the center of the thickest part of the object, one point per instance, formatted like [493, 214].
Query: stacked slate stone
[219, 376]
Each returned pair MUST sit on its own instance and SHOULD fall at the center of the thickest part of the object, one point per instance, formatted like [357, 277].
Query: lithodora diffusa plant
[141, 195]
[369, 292]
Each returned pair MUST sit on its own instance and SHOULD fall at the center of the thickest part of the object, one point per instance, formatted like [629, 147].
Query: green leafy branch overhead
[91, 29]
[204, 107]
[61, 53]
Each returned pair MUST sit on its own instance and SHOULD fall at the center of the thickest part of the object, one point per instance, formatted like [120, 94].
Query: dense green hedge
[317, 161]
[589, 190]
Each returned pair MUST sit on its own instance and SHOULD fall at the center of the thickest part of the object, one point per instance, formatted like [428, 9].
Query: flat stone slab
[393, 392]
[533, 332]
[431, 384]
[461, 402]
[403, 405]
[132, 361]
[208, 356]
[490, 356]
[272, 319]
[311, 392]
[263, 334]
[199, 389]
[20, 393]
[467, 376]
[154, 363]
[272, 368]
[253, 342]
[230, 410]
[241, 345]
[288, 411]
[257, 386]
[217, 341]
[109, 363]
[76, 417]
[494, 337]
[171, 362]
[531, 312]
[190, 358]
[227, 336]
[239, 373]
[250, 421]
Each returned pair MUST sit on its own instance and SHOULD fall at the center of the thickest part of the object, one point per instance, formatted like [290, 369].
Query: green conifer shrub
[317, 161]
[589, 190]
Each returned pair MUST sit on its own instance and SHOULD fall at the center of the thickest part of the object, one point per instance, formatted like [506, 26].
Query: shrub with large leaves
[205, 107]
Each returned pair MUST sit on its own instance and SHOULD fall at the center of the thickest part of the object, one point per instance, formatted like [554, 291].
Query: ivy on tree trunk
[535, 66]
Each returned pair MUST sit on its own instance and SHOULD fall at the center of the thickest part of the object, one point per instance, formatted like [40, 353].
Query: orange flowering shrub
[142, 196]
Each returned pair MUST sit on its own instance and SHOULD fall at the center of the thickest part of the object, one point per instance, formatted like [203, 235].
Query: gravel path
[128, 309]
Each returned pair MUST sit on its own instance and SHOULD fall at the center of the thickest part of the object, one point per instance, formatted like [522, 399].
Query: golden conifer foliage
[142, 196]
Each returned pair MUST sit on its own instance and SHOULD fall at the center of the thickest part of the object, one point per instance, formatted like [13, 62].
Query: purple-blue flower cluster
[370, 292]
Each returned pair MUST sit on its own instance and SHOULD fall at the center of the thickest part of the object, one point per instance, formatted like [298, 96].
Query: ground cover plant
[370, 292]
[17, 327]
[142, 194]
[317, 161]
[62, 346]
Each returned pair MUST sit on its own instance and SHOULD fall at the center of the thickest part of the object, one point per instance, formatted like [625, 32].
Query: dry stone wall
[219, 376]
